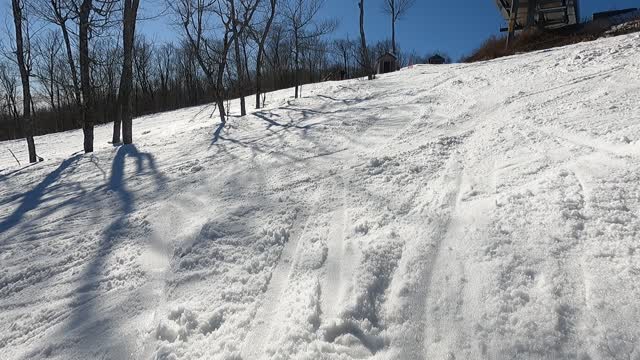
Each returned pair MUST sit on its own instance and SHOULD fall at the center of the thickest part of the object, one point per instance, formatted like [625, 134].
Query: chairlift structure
[546, 14]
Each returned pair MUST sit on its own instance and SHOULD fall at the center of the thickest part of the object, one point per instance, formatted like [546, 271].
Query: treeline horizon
[81, 63]
[166, 78]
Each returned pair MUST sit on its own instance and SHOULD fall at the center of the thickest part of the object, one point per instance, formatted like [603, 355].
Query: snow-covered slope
[476, 211]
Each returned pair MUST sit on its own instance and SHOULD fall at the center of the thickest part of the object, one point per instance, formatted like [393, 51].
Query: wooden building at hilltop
[387, 63]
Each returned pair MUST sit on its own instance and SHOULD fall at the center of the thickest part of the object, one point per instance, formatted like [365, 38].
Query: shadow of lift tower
[545, 14]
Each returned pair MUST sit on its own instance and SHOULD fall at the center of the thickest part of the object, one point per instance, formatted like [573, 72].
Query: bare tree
[261, 43]
[60, 13]
[365, 60]
[212, 55]
[126, 83]
[87, 26]
[239, 59]
[235, 17]
[164, 61]
[85, 80]
[301, 16]
[343, 48]
[142, 65]
[9, 85]
[276, 53]
[106, 68]
[190, 74]
[130, 14]
[396, 9]
[164, 77]
[7, 121]
[48, 49]
[23, 57]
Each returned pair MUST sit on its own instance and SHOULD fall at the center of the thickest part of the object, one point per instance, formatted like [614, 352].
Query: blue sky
[455, 27]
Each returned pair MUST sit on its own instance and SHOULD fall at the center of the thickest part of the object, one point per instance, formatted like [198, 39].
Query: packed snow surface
[470, 211]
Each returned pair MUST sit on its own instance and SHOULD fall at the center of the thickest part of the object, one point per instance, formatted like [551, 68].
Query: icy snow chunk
[213, 323]
[183, 317]
[416, 169]
[362, 228]
[278, 235]
[255, 265]
[167, 331]
[376, 162]
[314, 256]
[187, 264]
[376, 165]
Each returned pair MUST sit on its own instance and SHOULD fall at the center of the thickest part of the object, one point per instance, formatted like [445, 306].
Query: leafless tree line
[80, 24]
[88, 66]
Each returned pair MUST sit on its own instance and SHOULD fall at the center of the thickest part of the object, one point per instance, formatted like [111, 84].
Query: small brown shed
[436, 60]
[386, 63]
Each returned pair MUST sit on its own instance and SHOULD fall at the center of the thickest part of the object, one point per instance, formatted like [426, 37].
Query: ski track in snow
[467, 211]
[332, 291]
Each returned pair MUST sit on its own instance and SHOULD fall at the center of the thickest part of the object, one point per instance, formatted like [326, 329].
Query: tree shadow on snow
[4, 175]
[268, 115]
[34, 198]
[345, 101]
[92, 279]
[222, 133]
[216, 134]
[283, 130]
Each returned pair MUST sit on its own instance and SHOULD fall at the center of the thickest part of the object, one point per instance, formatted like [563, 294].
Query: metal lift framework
[547, 14]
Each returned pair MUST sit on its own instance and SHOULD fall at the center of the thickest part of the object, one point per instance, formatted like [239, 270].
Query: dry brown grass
[537, 39]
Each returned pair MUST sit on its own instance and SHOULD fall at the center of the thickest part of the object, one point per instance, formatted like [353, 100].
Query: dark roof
[436, 56]
[387, 54]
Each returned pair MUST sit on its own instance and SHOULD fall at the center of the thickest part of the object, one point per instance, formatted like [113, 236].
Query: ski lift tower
[546, 14]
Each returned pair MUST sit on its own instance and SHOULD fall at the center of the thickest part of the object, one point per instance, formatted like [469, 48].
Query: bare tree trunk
[60, 118]
[117, 122]
[239, 70]
[364, 51]
[126, 80]
[87, 119]
[237, 33]
[52, 98]
[218, 93]
[393, 34]
[297, 64]
[513, 17]
[219, 86]
[245, 63]
[396, 9]
[60, 19]
[260, 55]
[71, 62]
[346, 67]
[24, 76]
